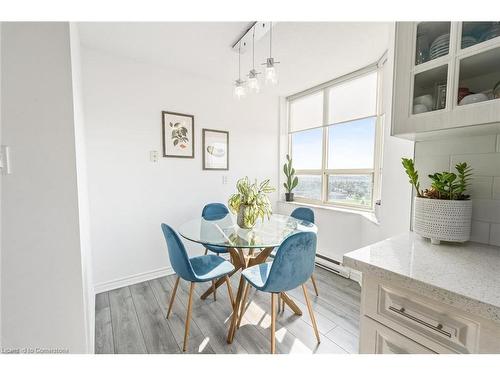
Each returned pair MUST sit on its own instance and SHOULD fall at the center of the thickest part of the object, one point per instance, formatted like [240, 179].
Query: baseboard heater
[326, 263]
[332, 265]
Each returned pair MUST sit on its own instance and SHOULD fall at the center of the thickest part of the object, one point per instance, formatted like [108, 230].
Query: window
[333, 140]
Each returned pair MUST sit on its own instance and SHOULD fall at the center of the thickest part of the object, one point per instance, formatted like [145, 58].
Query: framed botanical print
[178, 135]
[215, 149]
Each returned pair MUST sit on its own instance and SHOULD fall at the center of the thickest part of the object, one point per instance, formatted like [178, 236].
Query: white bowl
[473, 98]
[426, 100]
[420, 108]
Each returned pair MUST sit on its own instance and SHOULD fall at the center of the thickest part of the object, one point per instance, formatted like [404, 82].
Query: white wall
[82, 185]
[395, 211]
[43, 291]
[129, 195]
[341, 231]
[1, 177]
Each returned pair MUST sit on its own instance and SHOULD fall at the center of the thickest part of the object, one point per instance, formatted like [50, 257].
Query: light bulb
[271, 76]
[239, 89]
[270, 73]
[253, 82]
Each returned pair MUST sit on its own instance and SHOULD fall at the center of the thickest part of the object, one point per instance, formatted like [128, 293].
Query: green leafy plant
[291, 180]
[251, 201]
[409, 167]
[445, 185]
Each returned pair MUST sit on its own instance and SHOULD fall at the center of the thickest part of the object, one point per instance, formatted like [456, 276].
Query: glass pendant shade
[271, 75]
[239, 89]
[253, 82]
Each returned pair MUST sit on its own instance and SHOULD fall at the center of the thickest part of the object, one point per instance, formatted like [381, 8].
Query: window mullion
[324, 161]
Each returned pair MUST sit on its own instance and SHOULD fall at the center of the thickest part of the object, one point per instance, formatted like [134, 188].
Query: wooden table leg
[289, 302]
[239, 258]
[238, 263]
[236, 308]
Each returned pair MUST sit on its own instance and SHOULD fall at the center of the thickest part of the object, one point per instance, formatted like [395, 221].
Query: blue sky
[351, 145]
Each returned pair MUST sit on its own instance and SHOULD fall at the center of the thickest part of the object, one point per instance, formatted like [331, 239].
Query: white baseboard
[134, 279]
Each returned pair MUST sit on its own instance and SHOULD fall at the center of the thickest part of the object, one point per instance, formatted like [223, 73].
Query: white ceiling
[310, 52]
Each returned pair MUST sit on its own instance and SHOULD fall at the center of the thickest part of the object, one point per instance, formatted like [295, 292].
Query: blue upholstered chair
[292, 266]
[304, 213]
[215, 211]
[195, 270]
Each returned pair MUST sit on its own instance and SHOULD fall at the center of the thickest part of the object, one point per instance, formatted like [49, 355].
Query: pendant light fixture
[239, 85]
[271, 75]
[253, 82]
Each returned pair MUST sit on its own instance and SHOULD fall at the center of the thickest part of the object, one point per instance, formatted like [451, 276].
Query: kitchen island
[423, 298]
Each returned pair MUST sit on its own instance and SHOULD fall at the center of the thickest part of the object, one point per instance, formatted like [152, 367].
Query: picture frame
[177, 135]
[215, 148]
[440, 95]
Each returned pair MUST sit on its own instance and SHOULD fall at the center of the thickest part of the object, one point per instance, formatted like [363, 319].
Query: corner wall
[130, 196]
[43, 292]
[341, 230]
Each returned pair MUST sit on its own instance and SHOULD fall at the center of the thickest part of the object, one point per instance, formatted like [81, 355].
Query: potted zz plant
[291, 180]
[251, 202]
[443, 212]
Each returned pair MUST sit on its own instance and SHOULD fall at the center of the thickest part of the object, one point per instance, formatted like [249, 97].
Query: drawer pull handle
[438, 328]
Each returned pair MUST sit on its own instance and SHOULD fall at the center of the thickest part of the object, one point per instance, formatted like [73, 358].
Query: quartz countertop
[466, 276]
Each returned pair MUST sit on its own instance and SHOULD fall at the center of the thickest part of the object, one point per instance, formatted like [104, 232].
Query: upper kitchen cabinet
[446, 77]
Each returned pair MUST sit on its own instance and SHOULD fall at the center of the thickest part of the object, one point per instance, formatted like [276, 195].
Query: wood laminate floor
[132, 319]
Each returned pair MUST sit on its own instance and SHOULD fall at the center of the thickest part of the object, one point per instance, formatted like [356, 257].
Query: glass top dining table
[258, 242]
[225, 232]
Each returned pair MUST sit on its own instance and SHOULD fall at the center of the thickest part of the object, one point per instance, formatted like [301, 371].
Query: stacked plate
[493, 32]
[440, 46]
[468, 41]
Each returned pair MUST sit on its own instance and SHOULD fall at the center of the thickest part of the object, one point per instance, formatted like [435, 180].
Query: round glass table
[247, 247]
[224, 232]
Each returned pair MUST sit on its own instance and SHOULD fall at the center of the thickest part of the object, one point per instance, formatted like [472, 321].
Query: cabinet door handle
[438, 328]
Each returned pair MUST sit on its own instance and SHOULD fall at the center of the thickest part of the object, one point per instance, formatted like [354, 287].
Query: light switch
[224, 180]
[153, 156]
[5, 159]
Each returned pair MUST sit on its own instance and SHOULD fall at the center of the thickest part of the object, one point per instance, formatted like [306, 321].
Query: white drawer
[433, 324]
[379, 339]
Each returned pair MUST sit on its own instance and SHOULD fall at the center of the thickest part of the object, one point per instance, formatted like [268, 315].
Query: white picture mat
[218, 159]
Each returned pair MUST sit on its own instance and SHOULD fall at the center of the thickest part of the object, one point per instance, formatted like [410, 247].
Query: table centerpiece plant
[291, 180]
[442, 212]
[251, 202]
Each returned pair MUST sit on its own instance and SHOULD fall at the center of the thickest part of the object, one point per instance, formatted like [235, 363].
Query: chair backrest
[293, 264]
[303, 213]
[177, 254]
[214, 211]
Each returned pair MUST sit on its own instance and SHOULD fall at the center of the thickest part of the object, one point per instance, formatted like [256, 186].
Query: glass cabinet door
[478, 32]
[432, 41]
[479, 77]
[429, 90]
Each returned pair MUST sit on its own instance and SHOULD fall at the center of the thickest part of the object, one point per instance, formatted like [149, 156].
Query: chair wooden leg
[311, 313]
[283, 304]
[273, 323]
[173, 296]
[188, 317]
[229, 290]
[215, 290]
[243, 304]
[279, 302]
[314, 285]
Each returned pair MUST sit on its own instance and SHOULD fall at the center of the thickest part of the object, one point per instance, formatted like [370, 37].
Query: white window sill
[368, 215]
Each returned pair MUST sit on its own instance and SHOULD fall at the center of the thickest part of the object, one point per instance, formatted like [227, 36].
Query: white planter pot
[442, 220]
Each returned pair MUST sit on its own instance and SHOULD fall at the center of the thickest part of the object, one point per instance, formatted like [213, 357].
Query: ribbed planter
[442, 220]
[240, 219]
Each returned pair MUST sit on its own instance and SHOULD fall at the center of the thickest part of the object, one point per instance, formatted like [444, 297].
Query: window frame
[324, 172]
